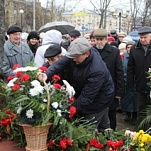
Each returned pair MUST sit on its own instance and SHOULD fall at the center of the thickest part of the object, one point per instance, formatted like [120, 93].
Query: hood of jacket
[52, 37]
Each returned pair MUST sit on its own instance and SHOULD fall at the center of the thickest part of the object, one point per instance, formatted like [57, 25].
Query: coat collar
[139, 45]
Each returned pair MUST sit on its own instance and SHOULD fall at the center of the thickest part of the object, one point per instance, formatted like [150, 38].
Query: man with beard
[111, 56]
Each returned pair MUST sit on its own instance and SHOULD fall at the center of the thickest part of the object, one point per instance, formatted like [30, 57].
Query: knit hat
[110, 38]
[33, 34]
[99, 33]
[122, 46]
[75, 33]
[52, 51]
[127, 39]
[13, 29]
[130, 43]
[78, 47]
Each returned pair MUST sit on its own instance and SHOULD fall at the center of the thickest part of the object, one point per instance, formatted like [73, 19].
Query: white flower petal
[59, 112]
[44, 100]
[69, 88]
[35, 83]
[19, 110]
[29, 113]
[55, 105]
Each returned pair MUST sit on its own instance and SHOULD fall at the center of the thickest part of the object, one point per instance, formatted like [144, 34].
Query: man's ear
[87, 53]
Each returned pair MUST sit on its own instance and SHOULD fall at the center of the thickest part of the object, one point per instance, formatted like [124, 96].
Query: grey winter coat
[15, 55]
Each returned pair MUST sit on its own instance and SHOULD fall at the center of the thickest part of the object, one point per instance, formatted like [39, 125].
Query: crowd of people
[106, 69]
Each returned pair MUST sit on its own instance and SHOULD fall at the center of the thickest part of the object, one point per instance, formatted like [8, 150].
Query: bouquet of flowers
[34, 102]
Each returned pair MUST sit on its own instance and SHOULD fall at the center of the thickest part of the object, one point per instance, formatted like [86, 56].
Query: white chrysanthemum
[35, 83]
[29, 68]
[69, 88]
[19, 110]
[59, 112]
[18, 69]
[36, 90]
[44, 100]
[29, 113]
[55, 105]
[11, 82]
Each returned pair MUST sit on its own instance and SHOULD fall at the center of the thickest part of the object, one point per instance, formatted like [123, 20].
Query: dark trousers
[100, 119]
[143, 99]
[112, 117]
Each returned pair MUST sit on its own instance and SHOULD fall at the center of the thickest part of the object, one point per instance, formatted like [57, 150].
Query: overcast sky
[85, 4]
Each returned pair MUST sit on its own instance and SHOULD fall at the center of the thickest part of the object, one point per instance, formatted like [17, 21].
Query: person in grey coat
[15, 52]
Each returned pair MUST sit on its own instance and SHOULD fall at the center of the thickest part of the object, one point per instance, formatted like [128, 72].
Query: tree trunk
[2, 26]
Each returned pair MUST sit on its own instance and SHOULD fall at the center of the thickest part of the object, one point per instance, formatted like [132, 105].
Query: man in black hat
[15, 52]
[74, 34]
[53, 54]
[138, 66]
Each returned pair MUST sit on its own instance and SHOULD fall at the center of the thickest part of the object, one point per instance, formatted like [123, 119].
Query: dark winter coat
[111, 56]
[138, 65]
[91, 80]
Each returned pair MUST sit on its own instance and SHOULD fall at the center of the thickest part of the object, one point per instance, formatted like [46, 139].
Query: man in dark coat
[91, 80]
[138, 65]
[74, 34]
[111, 56]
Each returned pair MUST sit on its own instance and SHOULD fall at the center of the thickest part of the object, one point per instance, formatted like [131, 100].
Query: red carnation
[71, 100]
[18, 74]
[72, 111]
[63, 144]
[50, 143]
[16, 66]
[16, 87]
[69, 141]
[57, 86]
[43, 68]
[25, 77]
[93, 141]
[10, 78]
[55, 78]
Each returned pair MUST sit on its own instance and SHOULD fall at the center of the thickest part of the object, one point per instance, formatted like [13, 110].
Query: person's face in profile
[52, 60]
[80, 58]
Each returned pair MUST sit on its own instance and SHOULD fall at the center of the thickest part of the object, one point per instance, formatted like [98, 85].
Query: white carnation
[35, 83]
[55, 105]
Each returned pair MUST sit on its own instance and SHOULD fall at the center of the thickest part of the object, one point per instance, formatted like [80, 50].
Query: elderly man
[15, 52]
[138, 64]
[91, 80]
[111, 56]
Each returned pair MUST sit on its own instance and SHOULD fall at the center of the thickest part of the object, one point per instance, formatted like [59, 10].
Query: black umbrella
[62, 26]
